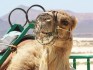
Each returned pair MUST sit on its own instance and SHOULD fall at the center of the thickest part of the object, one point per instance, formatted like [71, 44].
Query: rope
[63, 29]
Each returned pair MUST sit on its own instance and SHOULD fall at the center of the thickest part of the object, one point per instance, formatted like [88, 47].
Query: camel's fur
[31, 55]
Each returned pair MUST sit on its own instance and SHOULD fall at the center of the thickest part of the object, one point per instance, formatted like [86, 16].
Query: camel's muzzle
[46, 27]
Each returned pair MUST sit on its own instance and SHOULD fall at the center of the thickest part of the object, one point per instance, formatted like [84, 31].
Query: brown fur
[33, 56]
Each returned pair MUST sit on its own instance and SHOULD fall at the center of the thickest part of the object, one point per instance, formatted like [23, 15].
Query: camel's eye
[64, 22]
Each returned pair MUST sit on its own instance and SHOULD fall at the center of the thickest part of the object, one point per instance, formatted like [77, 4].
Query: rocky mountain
[4, 26]
[84, 27]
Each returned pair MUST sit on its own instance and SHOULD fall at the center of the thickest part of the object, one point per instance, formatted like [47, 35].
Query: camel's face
[49, 23]
[45, 23]
[66, 24]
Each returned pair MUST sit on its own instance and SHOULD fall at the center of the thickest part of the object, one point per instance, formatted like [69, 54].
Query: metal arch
[9, 17]
[34, 6]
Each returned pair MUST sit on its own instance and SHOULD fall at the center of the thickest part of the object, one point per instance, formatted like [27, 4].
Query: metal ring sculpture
[35, 5]
[9, 18]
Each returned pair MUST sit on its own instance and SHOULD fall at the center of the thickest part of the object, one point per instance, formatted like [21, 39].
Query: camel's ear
[74, 22]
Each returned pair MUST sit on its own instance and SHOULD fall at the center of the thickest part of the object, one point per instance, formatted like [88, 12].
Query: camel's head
[53, 24]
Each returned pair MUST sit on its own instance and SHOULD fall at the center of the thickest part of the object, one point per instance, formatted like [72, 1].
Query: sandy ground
[83, 67]
[84, 50]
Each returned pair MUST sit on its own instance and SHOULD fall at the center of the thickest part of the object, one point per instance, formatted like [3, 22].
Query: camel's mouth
[44, 35]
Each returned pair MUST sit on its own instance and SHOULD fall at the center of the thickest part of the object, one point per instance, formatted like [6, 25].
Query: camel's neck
[58, 61]
[59, 57]
[59, 64]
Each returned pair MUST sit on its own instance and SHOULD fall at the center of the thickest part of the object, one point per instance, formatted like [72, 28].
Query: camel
[43, 54]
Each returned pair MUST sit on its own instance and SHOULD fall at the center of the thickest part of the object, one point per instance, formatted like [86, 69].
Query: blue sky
[82, 6]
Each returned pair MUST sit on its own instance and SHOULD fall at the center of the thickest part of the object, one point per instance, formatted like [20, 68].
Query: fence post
[74, 63]
[88, 63]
